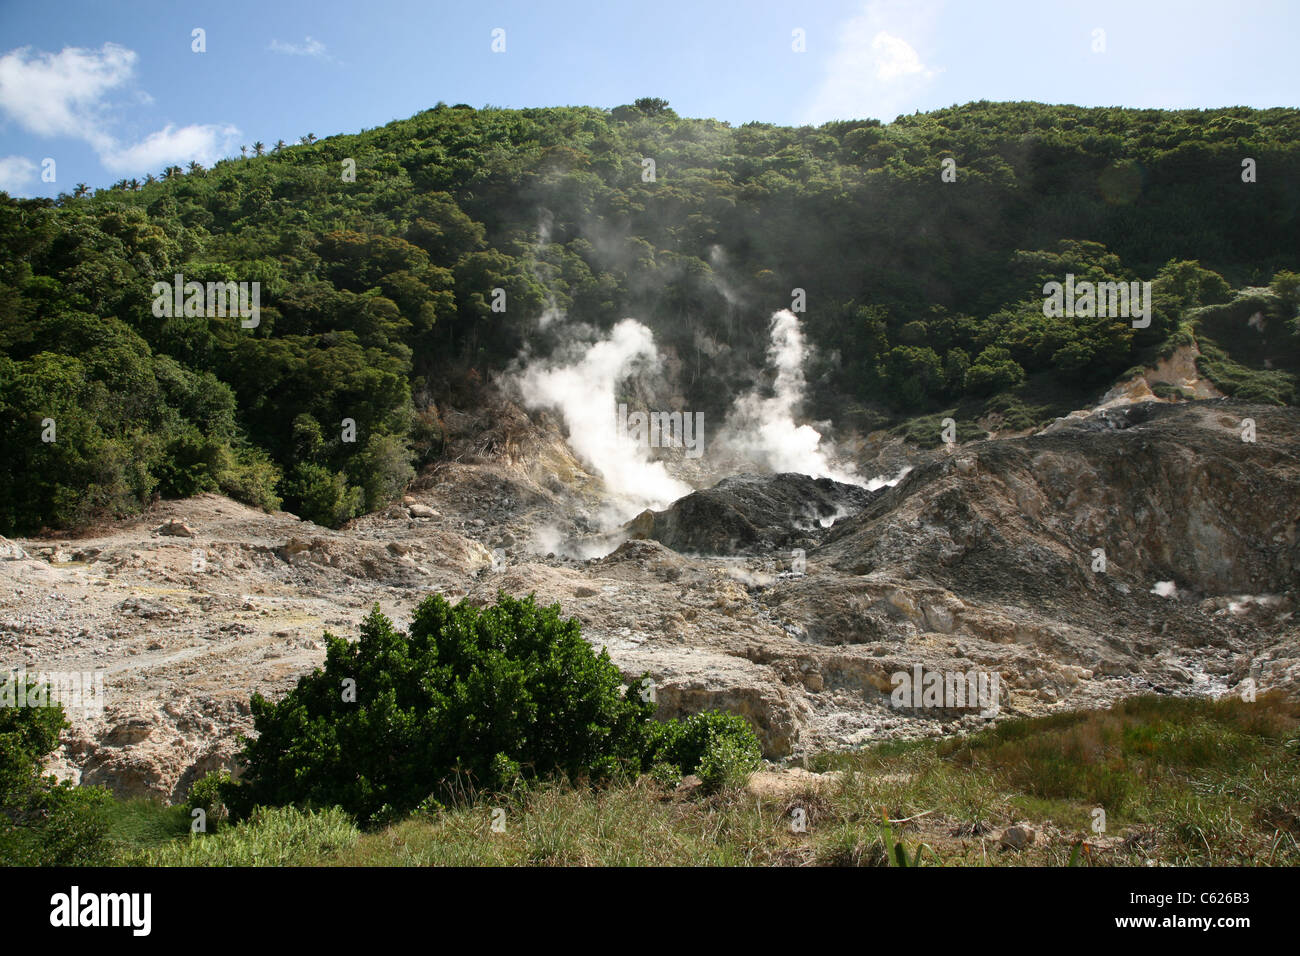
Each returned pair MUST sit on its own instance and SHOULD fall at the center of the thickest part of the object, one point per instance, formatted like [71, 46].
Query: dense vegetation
[923, 296]
[469, 701]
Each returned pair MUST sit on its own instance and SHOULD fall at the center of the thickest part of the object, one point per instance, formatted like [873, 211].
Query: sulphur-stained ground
[1142, 548]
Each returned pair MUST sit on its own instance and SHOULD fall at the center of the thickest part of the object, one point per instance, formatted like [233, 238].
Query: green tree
[322, 496]
[994, 370]
[468, 697]
[1286, 286]
[384, 469]
[913, 374]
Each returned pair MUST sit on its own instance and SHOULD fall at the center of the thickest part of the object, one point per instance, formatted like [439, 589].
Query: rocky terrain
[787, 599]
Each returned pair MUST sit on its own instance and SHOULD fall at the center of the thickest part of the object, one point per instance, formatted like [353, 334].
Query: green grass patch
[926, 431]
[1265, 386]
[276, 836]
[1171, 392]
[140, 823]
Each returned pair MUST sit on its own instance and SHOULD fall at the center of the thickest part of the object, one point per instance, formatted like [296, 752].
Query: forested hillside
[376, 290]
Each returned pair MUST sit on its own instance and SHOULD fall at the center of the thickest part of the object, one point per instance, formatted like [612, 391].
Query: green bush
[1286, 286]
[208, 795]
[322, 496]
[43, 822]
[728, 763]
[468, 700]
[720, 748]
[994, 371]
[248, 475]
[385, 469]
[1167, 391]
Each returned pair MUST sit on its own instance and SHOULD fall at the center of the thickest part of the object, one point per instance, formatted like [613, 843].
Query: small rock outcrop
[752, 514]
[176, 528]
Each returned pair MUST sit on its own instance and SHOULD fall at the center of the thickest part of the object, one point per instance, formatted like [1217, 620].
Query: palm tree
[81, 190]
[135, 185]
[171, 172]
[195, 166]
[243, 152]
[259, 148]
[308, 139]
[150, 179]
[120, 184]
[279, 145]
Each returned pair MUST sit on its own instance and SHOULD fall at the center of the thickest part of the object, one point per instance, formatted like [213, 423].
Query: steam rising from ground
[764, 429]
[582, 384]
[582, 389]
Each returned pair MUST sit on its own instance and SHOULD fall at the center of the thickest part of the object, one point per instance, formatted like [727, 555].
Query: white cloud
[308, 47]
[68, 94]
[171, 145]
[895, 58]
[874, 71]
[15, 173]
[62, 94]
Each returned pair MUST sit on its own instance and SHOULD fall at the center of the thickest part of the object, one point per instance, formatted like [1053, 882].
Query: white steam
[552, 312]
[583, 392]
[763, 428]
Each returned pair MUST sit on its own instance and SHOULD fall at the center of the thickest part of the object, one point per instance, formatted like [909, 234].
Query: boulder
[176, 528]
[1017, 837]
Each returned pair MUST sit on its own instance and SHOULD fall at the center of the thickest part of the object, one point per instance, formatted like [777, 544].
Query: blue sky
[112, 90]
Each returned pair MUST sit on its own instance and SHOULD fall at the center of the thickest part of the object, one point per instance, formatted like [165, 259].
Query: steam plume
[583, 391]
[764, 429]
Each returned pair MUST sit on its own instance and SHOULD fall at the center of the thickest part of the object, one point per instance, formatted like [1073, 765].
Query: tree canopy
[377, 287]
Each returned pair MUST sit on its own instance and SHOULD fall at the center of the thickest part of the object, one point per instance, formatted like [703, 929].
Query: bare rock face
[1039, 558]
[752, 514]
[1169, 492]
[10, 551]
[686, 687]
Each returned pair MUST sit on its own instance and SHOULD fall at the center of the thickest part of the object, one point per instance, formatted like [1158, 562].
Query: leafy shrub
[43, 822]
[248, 475]
[322, 496]
[208, 795]
[927, 430]
[721, 748]
[1167, 391]
[727, 763]
[1266, 386]
[994, 371]
[665, 774]
[386, 470]
[468, 698]
[1286, 286]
